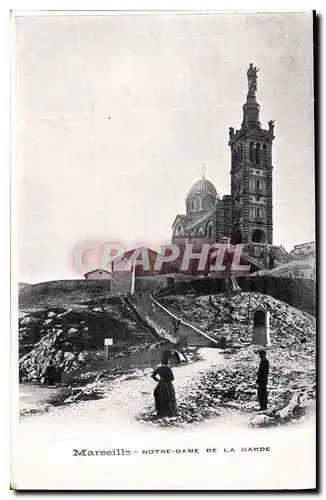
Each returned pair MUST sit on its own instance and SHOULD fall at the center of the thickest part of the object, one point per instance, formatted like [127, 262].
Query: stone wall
[121, 281]
[153, 284]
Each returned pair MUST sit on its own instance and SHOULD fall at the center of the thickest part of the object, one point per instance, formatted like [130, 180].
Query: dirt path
[127, 397]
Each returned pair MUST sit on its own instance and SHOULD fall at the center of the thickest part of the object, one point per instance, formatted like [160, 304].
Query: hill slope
[222, 315]
[62, 293]
[291, 356]
[299, 293]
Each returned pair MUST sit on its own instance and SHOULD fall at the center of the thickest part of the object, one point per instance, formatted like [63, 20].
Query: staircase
[159, 317]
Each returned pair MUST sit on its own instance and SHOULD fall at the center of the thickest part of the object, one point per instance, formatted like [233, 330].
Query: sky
[115, 116]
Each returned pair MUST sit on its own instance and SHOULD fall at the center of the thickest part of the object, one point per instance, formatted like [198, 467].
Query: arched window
[209, 201]
[258, 153]
[259, 319]
[251, 152]
[198, 203]
[258, 236]
[233, 157]
[265, 154]
[236, 237]
[210, 231]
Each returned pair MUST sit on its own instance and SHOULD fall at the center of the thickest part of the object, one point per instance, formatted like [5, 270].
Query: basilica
[246, 215]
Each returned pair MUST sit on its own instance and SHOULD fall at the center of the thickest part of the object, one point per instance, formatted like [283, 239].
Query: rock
[81, 357]
[51, 314]
[262, 421]
[68, 356]
[26, 321]
[59, 356]
[287, 412]
[48, 321]
[71, 331]
[93, 390]
[33, 375]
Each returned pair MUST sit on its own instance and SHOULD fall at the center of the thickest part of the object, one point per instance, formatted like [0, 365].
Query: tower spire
[251, 107]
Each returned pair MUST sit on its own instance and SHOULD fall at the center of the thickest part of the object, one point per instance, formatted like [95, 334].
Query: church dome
[203, 186]
[202, 196]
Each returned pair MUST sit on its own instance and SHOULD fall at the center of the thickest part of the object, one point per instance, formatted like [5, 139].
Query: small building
[304, 250]
[98, 274]
[304, 268]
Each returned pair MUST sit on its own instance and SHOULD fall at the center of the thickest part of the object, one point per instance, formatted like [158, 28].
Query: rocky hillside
[65, 335]
[61, 293]
[227, 316]
[292, 380]
[299, 293]
[291, 389]
[71, 336]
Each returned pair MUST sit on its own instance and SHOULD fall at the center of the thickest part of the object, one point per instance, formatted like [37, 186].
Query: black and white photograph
[163, 251]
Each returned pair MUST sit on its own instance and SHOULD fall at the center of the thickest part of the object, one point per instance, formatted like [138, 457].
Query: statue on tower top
[252, 80]
[271, 125]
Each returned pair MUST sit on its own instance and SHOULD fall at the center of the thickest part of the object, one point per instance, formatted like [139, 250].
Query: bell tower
[252, 173]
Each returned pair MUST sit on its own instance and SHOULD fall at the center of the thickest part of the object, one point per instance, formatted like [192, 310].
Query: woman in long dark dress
[164, 392]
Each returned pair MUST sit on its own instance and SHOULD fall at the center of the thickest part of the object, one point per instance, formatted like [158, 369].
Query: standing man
[262, 379]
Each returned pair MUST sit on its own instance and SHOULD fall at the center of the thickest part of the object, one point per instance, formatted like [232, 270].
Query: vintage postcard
[163, 251]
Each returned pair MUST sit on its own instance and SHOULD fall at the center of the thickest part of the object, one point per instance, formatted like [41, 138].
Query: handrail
[235, 285]
[183, 322]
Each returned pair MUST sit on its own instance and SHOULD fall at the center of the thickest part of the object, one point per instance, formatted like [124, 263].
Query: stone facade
[304, 250]
[304, 268]
[245, 216]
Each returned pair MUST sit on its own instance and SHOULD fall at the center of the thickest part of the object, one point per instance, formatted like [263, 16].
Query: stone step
[146, 307]
[194, 338]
